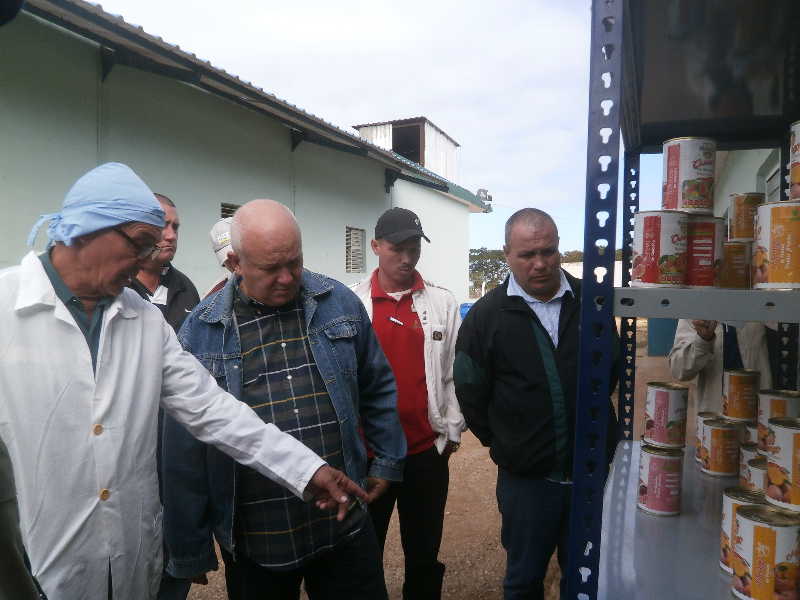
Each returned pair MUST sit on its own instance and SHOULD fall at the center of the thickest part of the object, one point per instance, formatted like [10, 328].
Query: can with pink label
[665, 415]
[659, 249]
[698, 432]
[660, 480]
[688, 181]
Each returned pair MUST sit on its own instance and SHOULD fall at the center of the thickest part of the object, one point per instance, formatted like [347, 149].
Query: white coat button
[283, 344]
[288, 377]
[105, 494]
[97, 429]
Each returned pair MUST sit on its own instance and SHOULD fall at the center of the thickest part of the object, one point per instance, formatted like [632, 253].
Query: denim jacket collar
[220, 308]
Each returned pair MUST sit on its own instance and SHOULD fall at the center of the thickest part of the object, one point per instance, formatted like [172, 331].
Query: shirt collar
[514, 289]
[66, 295]
[377, 291]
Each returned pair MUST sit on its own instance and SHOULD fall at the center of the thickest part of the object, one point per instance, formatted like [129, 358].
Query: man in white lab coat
[84, 365]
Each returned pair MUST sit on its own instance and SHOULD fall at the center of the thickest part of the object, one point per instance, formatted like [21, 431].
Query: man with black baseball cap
[416, 323]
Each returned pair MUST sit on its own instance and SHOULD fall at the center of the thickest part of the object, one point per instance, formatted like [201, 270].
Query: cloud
[507, 79]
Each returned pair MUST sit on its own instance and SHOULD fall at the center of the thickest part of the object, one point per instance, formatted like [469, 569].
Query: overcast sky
[507, 80]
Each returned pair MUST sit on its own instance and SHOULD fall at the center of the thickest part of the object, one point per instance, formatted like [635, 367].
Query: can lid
[671, 452]
[769, 516]
[707, 414]
[743, 372]
[758, 463]
[721, 423]
[787, 422]
[781, 393]
[736, 243]
[667, 385]
[741, 494]
[681, 213]
[680, 139]
[752, 446]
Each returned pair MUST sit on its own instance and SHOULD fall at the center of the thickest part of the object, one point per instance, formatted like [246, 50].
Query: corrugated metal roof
[409, 121]
[112, 31]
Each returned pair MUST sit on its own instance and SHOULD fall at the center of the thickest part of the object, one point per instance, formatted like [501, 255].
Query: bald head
[530, 217]
[267, 251]
[264, 223]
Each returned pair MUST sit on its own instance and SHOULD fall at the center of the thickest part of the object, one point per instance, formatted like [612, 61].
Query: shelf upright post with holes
[597, 299]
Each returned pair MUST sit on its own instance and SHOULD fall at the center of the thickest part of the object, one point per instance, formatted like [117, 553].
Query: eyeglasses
[150, 251]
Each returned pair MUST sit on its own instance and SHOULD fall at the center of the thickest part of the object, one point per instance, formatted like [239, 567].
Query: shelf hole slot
[609, 23]
[585, 572]
[607, 50]
[604, 161]
[769, 304]
[664, 302]
[603, 188]
[587, 549]
[606, 106]
[600, 272]
[601, 246]
[606, 77]
[602, 217]
[605, 134]
[599, 301]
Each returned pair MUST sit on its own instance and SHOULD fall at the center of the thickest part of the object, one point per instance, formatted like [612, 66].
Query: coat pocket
[342, 339]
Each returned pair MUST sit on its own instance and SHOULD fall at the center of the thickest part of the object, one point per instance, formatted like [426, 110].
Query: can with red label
[659, 249]
[742, 215]
[688, 182]
[665, 415]
[704, 238]
[740, 394]
[765, 557]
[660, 480]
[773, 404]
[733, 498]
[701, 418]
[736, 271]
[783, 463]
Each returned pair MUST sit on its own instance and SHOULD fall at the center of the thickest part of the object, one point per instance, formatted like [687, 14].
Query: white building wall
[380, 135]
[48, 133]
[445, 261]
[440, 153]
[739, 174]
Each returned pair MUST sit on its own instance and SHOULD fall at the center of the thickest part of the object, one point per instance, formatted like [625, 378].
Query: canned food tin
[748, 452]
[758, 473]
[783, 463]
[719, 454]
[688, 181]
[733, 498]
[698, 431]
[660, 480]
[665, 415]
[740, 394]
[659, 249]
[741, 216]
[771, 405]
[736, 270]
[776, 250]
[794, 160]
[765, 560]
[704, 238]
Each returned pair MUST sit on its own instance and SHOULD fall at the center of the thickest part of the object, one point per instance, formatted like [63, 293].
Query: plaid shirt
[281, 383]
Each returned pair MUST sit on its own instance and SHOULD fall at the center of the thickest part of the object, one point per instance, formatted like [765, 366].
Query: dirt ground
[471, 545]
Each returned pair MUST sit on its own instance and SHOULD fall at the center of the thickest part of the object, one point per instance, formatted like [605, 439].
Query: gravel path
[471, 546]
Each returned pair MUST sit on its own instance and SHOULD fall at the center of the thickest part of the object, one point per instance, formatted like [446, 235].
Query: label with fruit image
[783, 468]
[776, 251]
[665, 417]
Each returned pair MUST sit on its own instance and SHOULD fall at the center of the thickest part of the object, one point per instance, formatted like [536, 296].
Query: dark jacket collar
[220, 305]
[516, 303]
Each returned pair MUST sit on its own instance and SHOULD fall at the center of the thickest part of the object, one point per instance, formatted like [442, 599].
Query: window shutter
[355, 241]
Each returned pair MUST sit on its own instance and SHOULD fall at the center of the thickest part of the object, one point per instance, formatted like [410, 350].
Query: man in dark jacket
[175, 296]
[161, 283]
[515, 374]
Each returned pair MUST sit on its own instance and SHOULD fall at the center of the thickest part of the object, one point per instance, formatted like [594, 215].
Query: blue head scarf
[106, 196]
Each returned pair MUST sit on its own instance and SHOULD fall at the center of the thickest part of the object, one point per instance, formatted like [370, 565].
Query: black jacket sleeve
[472, 375]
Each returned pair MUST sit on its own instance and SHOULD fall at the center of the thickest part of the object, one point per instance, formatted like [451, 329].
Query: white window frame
[355, 249]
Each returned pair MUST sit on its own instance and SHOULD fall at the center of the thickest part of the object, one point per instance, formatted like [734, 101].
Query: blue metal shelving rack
[615, 84]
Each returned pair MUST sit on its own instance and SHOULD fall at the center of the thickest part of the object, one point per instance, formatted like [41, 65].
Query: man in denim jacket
[299, 349]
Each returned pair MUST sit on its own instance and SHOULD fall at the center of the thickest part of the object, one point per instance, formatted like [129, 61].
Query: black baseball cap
[397, 225]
